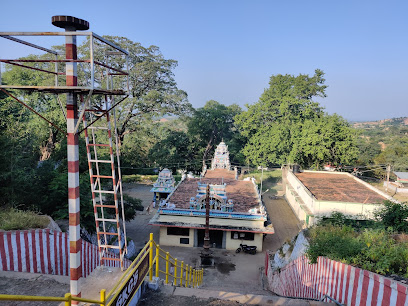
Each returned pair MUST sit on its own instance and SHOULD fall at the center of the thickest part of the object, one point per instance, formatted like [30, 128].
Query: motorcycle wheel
[253, 252]
[238, 250]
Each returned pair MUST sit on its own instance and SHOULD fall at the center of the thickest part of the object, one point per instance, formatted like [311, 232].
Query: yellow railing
[182, 274]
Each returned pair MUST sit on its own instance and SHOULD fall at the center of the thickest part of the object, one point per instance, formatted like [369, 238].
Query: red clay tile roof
[218, 173]
[241, 192]
[338, 187]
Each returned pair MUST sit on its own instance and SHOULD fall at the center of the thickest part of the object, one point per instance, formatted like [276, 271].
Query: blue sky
[227, 50]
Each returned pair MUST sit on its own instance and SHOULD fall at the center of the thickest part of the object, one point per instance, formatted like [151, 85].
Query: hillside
[395, 122]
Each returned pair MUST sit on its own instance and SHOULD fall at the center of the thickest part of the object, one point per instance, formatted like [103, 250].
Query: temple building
[221, 157]
[163, 186]
[237, 214]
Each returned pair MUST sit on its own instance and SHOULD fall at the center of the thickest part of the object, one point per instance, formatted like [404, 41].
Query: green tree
[287, 126]
[211, 124]
[173, 151]
[154, 91]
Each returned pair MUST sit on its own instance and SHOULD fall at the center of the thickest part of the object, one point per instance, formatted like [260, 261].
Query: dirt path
[32, 284]
[152, 298]
[138, 229]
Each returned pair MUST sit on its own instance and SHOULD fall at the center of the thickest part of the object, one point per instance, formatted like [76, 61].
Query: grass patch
[144, 178]
[14, 219]
[270, 179]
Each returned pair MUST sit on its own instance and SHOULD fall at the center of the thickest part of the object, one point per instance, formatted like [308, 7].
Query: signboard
[127, 292]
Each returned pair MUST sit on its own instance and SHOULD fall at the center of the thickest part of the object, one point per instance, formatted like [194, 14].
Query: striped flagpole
[72, 24]
[73, 169]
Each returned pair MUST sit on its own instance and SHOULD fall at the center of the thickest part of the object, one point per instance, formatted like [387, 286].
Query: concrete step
[246, 299]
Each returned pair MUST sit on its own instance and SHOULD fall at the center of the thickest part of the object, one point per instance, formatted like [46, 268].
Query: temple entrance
[215, 237]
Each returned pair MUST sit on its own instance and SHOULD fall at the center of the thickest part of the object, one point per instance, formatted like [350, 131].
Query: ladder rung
[102, 176]
[104, 191]
[98, 145]
[104, 205]
[100, 161]
[106, 220]
[107, 246]
[107, 258]
[97, 128]
[108, 233]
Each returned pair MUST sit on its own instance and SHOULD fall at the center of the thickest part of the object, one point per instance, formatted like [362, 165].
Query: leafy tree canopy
[287, 126]
[211, 124]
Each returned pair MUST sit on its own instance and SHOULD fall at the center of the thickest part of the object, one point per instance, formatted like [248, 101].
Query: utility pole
[388, 177]
[206, 255]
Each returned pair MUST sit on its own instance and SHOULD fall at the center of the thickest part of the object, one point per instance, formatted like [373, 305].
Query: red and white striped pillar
[71, 24]
[73, 169]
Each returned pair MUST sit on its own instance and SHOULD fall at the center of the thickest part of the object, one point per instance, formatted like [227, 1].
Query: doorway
[215, 237]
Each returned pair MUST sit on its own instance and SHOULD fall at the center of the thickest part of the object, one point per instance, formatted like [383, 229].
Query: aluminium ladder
[106, 183]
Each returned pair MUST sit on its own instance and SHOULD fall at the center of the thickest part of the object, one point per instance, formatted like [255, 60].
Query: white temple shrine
[221, 157]
[163, 186]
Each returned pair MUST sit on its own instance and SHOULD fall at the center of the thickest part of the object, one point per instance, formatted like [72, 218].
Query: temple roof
[243, 193]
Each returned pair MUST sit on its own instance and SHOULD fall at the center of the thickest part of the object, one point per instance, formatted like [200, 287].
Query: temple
[221, 157]
[163, 186]
[237, 214]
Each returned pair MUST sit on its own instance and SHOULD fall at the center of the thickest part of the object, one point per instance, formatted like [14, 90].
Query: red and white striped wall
[346, 284]
[47, 252]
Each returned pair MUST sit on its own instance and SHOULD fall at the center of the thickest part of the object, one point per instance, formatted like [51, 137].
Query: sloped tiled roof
[241, 192]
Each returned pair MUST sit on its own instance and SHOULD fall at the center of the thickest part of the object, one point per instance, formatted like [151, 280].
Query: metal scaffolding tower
[96, 80]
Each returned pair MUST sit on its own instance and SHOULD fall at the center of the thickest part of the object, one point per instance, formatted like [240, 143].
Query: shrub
[337, 243]
[375, 250]
[393, 215]
[382, 254]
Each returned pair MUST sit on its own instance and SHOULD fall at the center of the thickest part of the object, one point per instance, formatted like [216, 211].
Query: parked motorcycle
[246, 248]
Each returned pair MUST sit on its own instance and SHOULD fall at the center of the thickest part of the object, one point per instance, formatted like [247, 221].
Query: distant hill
[395, 122]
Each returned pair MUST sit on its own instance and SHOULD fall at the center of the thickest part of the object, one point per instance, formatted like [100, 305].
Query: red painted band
[32, 233]
[27, 252]
[48, 251]
[73, 193]
[72, 139]
[3, 252]
[75, 273]
[75, 246]
[73, 166]
[40, 236]
[19, 255]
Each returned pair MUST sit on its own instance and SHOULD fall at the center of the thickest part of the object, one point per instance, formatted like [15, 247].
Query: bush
[372, 249]
[337, 243]
[382, 253]
[393, 215]
[340, 219]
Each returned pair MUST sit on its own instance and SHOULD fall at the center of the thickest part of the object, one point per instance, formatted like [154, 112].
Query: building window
[242, 236]
[178, 231]
[184, 240]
